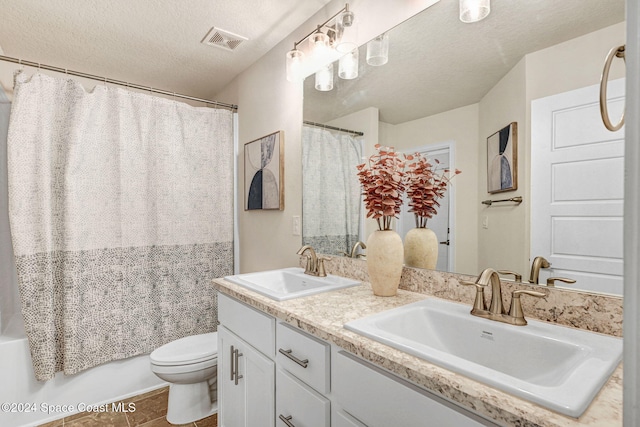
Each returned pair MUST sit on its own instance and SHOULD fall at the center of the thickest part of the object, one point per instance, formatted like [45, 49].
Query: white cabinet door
[246, 383]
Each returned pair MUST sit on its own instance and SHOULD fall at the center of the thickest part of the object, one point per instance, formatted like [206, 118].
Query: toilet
[190, 365]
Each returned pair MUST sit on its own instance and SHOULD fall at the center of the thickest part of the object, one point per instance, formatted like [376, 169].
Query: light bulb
[348, 65]
[474, 10]
[295, 59]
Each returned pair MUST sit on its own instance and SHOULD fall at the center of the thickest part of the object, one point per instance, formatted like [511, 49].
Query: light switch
[296, 225]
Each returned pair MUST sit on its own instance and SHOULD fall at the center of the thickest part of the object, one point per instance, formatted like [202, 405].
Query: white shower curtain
[331, 191]
[121, 211]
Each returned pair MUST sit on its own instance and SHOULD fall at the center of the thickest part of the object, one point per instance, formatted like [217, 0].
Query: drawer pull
[304, 363]
[287, 420]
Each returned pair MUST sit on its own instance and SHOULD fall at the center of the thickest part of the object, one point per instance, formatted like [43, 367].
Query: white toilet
[190, 365]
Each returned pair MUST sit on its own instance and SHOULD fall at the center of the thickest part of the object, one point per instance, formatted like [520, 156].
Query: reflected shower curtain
[121, 211]
[330, 189]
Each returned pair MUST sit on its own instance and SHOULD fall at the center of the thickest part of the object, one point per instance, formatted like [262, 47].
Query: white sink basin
[289, 283]
[557, 367]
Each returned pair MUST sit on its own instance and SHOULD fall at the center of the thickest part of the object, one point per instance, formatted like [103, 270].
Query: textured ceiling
[150, 42]
[437, 63]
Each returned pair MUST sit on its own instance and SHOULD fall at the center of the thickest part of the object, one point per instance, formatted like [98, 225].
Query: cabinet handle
[287, 420]
[232, 360]
[304, 363]
[237, 354]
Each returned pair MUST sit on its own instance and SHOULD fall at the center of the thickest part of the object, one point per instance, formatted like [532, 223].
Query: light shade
[346, 32]
[324, 78]
[474, 10]
[378, 50]
[348, 65]
[295, 66]
[319, 44]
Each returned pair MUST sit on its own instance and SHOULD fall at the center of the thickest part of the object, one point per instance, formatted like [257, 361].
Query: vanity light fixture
[346, 31]
[348, 65]
[319, 44]
[378, 50]
[295, 69]
[324, 78]
[474, 10]
[338, 35]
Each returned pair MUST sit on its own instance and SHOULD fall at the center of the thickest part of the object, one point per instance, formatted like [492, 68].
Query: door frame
[631, 381]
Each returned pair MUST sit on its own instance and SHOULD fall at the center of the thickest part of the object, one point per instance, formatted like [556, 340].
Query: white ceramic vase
[385, 256]
[421, 248]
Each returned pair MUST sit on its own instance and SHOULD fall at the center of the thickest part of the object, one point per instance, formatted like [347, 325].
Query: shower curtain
[121, 211]
[331, 191]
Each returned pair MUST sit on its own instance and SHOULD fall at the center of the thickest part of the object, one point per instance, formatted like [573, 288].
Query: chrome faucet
[538, 263]
[497, 310]
[315, 264]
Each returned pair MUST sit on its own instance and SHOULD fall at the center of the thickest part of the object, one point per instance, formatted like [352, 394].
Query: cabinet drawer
[304, 356]
[299, 404]
[379, 399]
[340, 418]
[256, 328]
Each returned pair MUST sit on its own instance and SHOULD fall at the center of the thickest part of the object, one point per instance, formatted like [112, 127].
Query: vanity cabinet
[273, 374]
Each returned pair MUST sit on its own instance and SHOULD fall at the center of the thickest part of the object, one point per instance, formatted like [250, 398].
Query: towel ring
[604, 112]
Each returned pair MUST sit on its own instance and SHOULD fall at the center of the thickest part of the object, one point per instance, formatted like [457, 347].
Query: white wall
[267, 103]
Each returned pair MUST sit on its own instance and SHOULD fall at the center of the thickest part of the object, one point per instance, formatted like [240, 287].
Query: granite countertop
[323, 315]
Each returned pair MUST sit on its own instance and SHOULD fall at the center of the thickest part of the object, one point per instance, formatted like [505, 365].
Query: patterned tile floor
[150, 411]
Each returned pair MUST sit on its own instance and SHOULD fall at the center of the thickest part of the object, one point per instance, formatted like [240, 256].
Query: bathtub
[33, 402]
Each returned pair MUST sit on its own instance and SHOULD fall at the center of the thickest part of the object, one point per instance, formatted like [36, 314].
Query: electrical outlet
[296, 225]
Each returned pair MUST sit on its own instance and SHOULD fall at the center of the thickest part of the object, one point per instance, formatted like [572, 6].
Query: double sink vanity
[299, 350]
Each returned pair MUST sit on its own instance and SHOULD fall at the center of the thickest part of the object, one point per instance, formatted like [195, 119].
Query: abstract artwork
[264, 173]
[502, 160]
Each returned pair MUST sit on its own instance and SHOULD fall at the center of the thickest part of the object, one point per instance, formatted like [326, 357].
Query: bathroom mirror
[453, 76]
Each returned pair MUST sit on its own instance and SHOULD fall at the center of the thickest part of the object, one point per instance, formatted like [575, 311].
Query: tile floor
[150, 411]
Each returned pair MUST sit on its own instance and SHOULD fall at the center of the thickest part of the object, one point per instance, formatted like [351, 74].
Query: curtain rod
[38, 65]
[320, 125]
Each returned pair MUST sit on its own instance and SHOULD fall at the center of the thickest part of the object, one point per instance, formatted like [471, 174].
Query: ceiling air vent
[223, 39]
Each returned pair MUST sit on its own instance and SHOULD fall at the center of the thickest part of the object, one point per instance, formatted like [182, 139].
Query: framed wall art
[264, 173]
[502, 160]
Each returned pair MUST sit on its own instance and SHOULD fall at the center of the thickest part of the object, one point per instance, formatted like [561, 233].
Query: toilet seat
[189, 350]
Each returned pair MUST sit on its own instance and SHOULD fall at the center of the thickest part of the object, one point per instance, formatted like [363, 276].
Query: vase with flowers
[425, 186]
[383, 184]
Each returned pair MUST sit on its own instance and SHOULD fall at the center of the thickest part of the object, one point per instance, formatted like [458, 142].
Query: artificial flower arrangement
[384, 181]
[425, 185]
[383, 184]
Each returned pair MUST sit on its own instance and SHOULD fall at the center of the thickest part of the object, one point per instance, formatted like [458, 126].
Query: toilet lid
[191, 349]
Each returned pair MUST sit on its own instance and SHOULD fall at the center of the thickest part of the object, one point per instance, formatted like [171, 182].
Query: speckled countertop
[324, 314]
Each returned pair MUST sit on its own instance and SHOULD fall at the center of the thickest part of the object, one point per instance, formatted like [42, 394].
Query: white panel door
[577, 176]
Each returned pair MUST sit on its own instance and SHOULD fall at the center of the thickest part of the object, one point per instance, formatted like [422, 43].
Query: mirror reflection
[445, 89]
